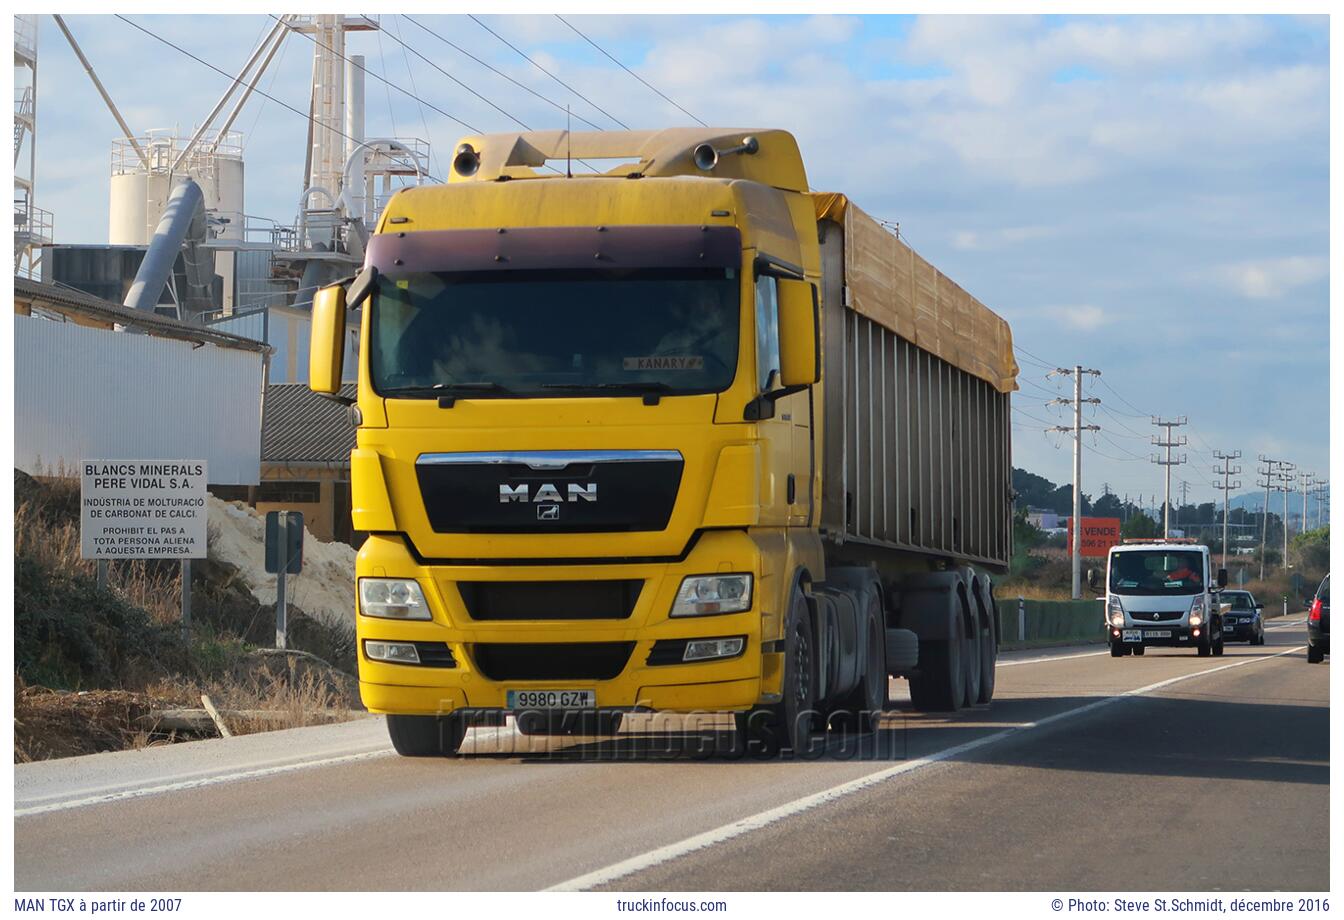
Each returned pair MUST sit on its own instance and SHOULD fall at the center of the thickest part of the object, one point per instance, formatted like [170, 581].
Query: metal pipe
[98, 85]
[347, 197]
[184, 205]
[223, 100]
[252, 85]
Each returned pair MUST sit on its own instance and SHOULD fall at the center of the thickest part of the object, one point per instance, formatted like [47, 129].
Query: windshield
[1157, 572]
[555, 333]
[1240, 601]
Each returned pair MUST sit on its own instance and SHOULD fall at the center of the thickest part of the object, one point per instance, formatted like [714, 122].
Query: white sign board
[142, 509]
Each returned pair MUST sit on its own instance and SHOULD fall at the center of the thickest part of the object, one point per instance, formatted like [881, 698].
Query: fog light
[702, 649]
[392, 652]
[1115, 632]
[1194, 632]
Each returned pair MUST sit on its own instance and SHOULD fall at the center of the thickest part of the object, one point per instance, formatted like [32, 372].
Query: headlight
[1114, 612]
[392, 598]
[1196, 613]
[702, 595]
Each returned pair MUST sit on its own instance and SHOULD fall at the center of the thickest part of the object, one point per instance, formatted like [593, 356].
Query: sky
[1143, 195]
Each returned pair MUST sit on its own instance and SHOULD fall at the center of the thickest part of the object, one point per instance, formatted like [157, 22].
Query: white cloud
[1084, 317]
[1269, 279]
[998, 238]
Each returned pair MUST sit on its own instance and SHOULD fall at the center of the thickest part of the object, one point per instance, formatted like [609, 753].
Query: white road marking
[237, 776]
[1009, 664]
[755, 822]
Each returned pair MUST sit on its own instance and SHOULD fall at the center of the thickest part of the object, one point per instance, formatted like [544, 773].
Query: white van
[1163, 593]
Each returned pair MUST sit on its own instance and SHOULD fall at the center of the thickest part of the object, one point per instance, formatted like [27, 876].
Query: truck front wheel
[788, 723]
[426, 736]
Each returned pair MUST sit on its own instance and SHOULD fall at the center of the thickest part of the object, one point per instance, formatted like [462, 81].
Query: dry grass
[70, 642]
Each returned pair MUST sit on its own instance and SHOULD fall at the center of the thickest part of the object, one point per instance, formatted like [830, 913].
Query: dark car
[1243, 622]
[1318, 624]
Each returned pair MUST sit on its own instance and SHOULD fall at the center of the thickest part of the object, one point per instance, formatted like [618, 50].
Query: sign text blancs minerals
[143, 509]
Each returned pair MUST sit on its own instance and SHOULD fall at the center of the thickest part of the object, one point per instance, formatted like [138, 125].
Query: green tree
[1310, 551]
[1140, 526]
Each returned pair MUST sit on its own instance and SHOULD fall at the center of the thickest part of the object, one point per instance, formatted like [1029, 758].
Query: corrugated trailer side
[916, 415]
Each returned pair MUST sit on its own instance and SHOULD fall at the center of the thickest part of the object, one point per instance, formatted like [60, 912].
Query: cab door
[786, 489]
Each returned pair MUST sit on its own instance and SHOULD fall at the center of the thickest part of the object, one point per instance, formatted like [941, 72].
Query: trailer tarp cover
[893, 285]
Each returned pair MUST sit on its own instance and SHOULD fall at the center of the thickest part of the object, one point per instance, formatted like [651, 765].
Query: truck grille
[552, 661]
[550, 491]
[1156, 616]
[550, 600]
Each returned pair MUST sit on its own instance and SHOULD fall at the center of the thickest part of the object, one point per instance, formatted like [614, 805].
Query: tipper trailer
[682, 435]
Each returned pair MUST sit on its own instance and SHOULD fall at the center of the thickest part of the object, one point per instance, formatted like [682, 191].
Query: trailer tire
[938, 684]
[427, 736]
[970, 669]
[989, 645]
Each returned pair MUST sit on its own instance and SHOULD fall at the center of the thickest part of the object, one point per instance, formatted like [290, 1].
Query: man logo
[547, 492]
[548, 512]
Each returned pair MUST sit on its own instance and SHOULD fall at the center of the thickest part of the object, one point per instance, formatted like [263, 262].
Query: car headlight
[1115, 613]
[703, 595]
[392, 598]
[1196, 613]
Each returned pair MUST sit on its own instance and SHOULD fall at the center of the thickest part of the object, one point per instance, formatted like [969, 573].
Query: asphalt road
[1166, 772]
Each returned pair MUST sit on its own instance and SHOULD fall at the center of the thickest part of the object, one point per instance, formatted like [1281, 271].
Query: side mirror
[1259, 606]
[326, 348]
[799, 336]
[1093, 580]
[1222, 578]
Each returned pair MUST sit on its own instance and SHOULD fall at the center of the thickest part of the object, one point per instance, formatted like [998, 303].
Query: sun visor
[523, 248]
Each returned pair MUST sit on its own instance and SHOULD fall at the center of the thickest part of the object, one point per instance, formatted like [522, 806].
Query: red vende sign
[1099, 535]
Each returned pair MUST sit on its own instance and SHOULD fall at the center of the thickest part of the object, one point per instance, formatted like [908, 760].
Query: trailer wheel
[938, 685]
[426, 736]
[970, 669]
[989, 653]
[861, 709]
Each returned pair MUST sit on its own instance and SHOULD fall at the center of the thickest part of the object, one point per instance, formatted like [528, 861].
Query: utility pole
[1168, 442]
[1227, 485]
[1304, 482]
[1077, 372]
[1268, 472]
[1286, 486]
[1322, 489]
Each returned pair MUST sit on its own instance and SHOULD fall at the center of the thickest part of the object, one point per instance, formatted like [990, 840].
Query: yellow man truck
[679, 435]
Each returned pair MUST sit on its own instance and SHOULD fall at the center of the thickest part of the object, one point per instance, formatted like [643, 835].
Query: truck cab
[1163, 593]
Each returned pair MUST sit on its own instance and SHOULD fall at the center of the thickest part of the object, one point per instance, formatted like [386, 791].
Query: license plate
[1132, 635]
[1158, 634]
[551, 699]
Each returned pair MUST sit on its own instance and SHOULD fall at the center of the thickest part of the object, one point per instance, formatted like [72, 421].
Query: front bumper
[1151, 634]
[735, 683]
[1240, 632]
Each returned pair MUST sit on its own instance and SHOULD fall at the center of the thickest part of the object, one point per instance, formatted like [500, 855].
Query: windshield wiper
[651, 390]
[447, 393]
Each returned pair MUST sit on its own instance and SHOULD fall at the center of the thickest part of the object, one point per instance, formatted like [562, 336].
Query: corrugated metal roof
[67, 299]
[300, 426]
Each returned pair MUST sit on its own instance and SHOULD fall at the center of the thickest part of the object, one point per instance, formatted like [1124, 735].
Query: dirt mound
[63, 723]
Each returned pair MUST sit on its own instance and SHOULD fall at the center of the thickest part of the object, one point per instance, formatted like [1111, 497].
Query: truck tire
[938, 684]
[989, 645]
[1117, 649]
[902, 651]
[861, 709]
[970, 668]
[788, 723]
[426, 736]
[1204, 648]
[1218, 644]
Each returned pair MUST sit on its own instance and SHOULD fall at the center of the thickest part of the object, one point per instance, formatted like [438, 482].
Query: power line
[523, 86]
[1139, 413]
[400, 89]
[628, 70]
[178, 48]
[500, 109]
[524, 56]
[423, 121]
